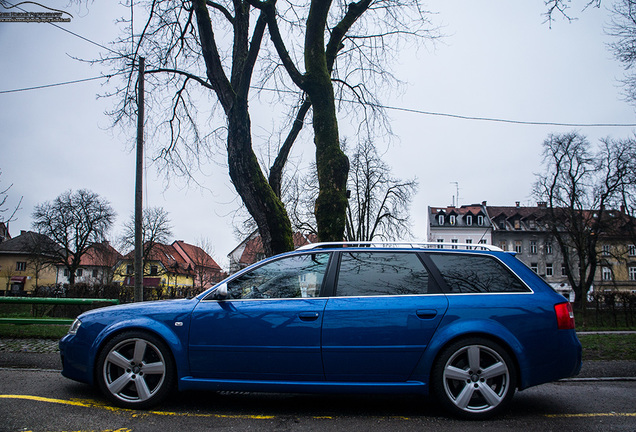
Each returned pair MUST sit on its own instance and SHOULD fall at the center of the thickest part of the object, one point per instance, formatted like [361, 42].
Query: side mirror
[220, 293]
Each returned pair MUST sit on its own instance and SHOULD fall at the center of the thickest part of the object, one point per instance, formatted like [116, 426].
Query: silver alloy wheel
[134, 370]
[476, 378]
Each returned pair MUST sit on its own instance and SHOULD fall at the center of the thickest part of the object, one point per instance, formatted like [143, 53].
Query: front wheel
[135, 370]
[474, 378]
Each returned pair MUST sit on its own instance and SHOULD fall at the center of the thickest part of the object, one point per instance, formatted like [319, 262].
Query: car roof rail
[412, 245]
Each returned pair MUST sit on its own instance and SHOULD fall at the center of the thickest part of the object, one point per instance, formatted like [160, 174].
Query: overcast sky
[499, 60]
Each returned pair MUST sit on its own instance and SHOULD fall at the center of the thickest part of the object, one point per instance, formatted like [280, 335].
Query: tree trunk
[331, 162]
[250, 183]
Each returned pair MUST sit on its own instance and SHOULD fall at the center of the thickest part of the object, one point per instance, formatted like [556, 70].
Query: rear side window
[476, 274]
[381, 274]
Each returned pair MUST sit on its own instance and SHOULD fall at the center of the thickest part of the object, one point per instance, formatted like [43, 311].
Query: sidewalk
[43, 354]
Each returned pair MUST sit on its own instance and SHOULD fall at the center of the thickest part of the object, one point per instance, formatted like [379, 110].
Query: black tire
[135, 370]
[474, 394]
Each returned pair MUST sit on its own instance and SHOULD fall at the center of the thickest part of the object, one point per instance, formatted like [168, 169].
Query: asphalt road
[35, 397]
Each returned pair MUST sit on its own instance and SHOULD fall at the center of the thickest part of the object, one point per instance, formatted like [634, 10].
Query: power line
[54, 85]
[499, 120]
[388, 107]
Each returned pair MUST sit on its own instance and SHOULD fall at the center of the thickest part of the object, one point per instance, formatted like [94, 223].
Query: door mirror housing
[221, 292]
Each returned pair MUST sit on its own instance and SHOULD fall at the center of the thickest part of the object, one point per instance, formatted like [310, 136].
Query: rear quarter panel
[522, 322]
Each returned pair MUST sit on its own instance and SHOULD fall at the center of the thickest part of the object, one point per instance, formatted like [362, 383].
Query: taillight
[564, 316]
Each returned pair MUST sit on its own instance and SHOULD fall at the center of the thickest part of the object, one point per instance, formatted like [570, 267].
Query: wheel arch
[176, 349]
[491, 331]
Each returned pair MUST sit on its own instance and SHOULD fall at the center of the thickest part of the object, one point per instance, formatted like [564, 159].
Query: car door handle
[426, 313]
[308, 316]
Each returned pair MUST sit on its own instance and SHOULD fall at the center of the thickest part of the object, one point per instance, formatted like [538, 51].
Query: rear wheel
[474, 378]
[135, 370]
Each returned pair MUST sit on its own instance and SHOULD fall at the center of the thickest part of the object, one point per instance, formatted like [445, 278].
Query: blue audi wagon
[468, 326]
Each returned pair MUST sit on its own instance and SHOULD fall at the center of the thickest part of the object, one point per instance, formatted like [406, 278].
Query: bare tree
[220, 48]
[623, 28]
[379, 203]
[378, 206]
[579, 187]
[74, 221]
[206, 270]
[7, 214]
[156, 228]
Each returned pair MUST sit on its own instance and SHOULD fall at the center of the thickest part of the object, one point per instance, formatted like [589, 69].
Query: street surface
[43, 400]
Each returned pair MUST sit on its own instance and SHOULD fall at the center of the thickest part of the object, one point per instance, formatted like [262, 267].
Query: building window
[631, 250]
[454, 241]
[79, 272]
[533, 247]
[532, 224]
[534, 267]
[153, 270]
[440, 240]
[503, 245]
[129, 269]
[469, 241]
[66, 273]
[440, 219]
[548, 248]
[607, 273]
[453, 219]
[548, 270]
[480, 220]
[95, 273]
[518, 246]
[606, 250]
[632, 273]
[517, 224]
[564, 270]
[483, 241]
[469, 220]
[20, 266]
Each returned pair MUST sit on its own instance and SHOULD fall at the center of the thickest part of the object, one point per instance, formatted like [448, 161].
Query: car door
[384, 312]
[269, 326]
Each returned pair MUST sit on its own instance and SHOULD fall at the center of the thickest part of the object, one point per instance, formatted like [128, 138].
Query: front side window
[631, 250]
[518, 246]
[381, 274]
[298, 276]
[480, 220]
[79, 272]
[20, 266]
[469, 220]
[548, 248]
[476, 274]
[632, 273]
[533, 247]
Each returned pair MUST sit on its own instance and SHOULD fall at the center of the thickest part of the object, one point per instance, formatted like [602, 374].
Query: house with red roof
[176, 270]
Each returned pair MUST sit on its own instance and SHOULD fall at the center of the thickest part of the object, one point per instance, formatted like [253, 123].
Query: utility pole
[139, 247]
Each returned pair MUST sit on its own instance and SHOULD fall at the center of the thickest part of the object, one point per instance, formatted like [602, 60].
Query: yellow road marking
[95, 404]
[584, 415]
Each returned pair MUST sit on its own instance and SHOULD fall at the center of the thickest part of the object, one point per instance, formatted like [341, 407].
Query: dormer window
[440, 219]
[453, 219]
[469, 220]
[480, 220]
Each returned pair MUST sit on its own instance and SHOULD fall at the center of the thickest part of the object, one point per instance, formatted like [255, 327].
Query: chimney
[22, 232]
[542, 204]
[517, 204]
[484, 203]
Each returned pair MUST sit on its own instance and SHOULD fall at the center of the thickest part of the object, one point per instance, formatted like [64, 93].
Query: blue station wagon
[468, 326]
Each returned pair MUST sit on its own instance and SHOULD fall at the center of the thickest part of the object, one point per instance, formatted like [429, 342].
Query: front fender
[174, 335]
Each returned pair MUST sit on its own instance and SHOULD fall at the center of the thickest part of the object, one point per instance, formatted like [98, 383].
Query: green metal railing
[49, 301]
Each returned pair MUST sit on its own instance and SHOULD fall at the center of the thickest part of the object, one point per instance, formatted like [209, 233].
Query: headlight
[74, 327]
